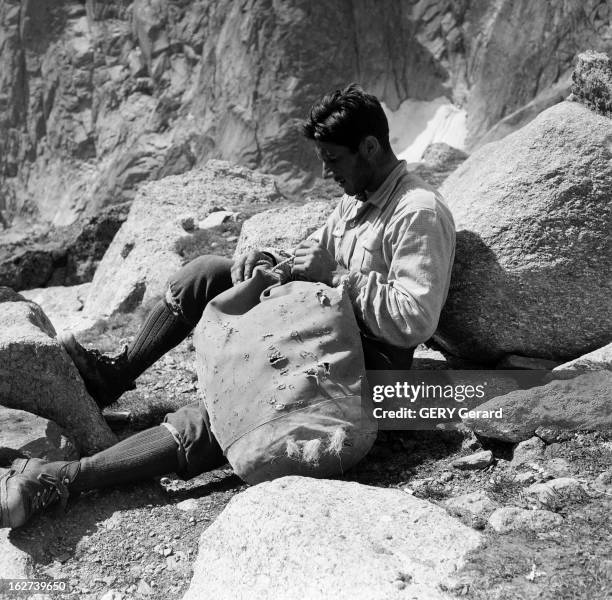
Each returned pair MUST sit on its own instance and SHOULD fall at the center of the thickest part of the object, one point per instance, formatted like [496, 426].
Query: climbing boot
[106, 377]
[30, 486]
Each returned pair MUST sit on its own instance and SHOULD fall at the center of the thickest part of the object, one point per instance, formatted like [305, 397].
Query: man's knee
[195, 284]
[198, 450]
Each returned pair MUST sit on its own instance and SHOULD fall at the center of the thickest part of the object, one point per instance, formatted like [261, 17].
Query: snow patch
[416, 124]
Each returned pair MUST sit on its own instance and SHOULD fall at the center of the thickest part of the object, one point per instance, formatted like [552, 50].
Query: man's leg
[168, 324]
[183, 444]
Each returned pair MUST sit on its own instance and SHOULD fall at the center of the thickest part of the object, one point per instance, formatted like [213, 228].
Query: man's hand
[244, 265]
[313, 262]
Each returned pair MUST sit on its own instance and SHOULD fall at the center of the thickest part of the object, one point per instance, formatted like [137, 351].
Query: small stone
[511, 518]
[474, 503]
[471, 442]
[187, 223]
[112, 595]
[546, 492]
[559, 467]
[446, 477]
[144, 588]
[553, 435]
[525, 478]
[603, 482]
[187, 505]
[527, 451]
[167, 552]
[479, 460]
[232, 239]
[216, 219]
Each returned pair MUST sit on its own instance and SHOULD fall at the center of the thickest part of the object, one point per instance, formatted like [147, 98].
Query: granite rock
[308, 538]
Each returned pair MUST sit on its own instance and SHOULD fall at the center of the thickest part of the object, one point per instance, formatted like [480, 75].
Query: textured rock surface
[300, 537]
[510, 518]
[437, 163]
[63, 306]
[478, 460]
[282, 228]
[582, 403]
[593, 82]
[27, 435]
[14, 563]
[593, 361]
[528, 451]
[153, 242]
[473, 503]
[39, 377]
[532, 274]
[36, 256]
[545, 493]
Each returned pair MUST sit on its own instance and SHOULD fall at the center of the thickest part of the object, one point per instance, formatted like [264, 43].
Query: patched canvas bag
[283, 379]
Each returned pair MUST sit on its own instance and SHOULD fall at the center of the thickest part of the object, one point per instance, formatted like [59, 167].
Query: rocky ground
[140, 541]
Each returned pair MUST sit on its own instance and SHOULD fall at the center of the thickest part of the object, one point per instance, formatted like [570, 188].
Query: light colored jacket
[398, 247]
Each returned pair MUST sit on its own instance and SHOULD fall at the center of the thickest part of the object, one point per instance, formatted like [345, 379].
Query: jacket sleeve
[403, 308]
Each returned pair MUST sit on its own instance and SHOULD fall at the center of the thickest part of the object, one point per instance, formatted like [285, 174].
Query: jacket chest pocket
[369, 256]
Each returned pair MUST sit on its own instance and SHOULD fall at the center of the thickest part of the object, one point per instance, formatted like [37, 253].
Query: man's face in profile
[349, 169]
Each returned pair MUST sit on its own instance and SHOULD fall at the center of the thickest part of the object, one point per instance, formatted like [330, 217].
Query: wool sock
[141, 456]
[161, 331]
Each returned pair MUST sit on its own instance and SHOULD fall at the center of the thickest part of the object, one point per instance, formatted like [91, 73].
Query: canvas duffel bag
[283, 379]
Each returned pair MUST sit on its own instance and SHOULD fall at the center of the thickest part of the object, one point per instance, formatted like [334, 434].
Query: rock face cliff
[96, 97]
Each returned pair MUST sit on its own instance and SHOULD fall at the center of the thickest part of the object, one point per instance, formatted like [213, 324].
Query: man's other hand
[313, 262]
[243, 266]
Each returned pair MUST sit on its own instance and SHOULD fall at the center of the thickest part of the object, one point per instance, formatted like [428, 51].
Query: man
[390, 241]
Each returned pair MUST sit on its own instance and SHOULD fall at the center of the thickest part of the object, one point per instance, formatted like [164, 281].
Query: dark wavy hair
[345, 117]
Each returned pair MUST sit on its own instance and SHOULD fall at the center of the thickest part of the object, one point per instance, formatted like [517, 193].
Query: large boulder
[592, 79]
[532, 273]
[438, 161]
[282, 228]
[578, 404]
[38, 376]
[298, 537]
[27, 435]
[63, 305]
[593, 361]
[42, 255]
[159, 236]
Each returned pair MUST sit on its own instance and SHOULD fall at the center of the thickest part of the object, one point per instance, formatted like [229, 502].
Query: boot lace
[53, 488]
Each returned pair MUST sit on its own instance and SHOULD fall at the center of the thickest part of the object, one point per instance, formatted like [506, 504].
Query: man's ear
[369, 147]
